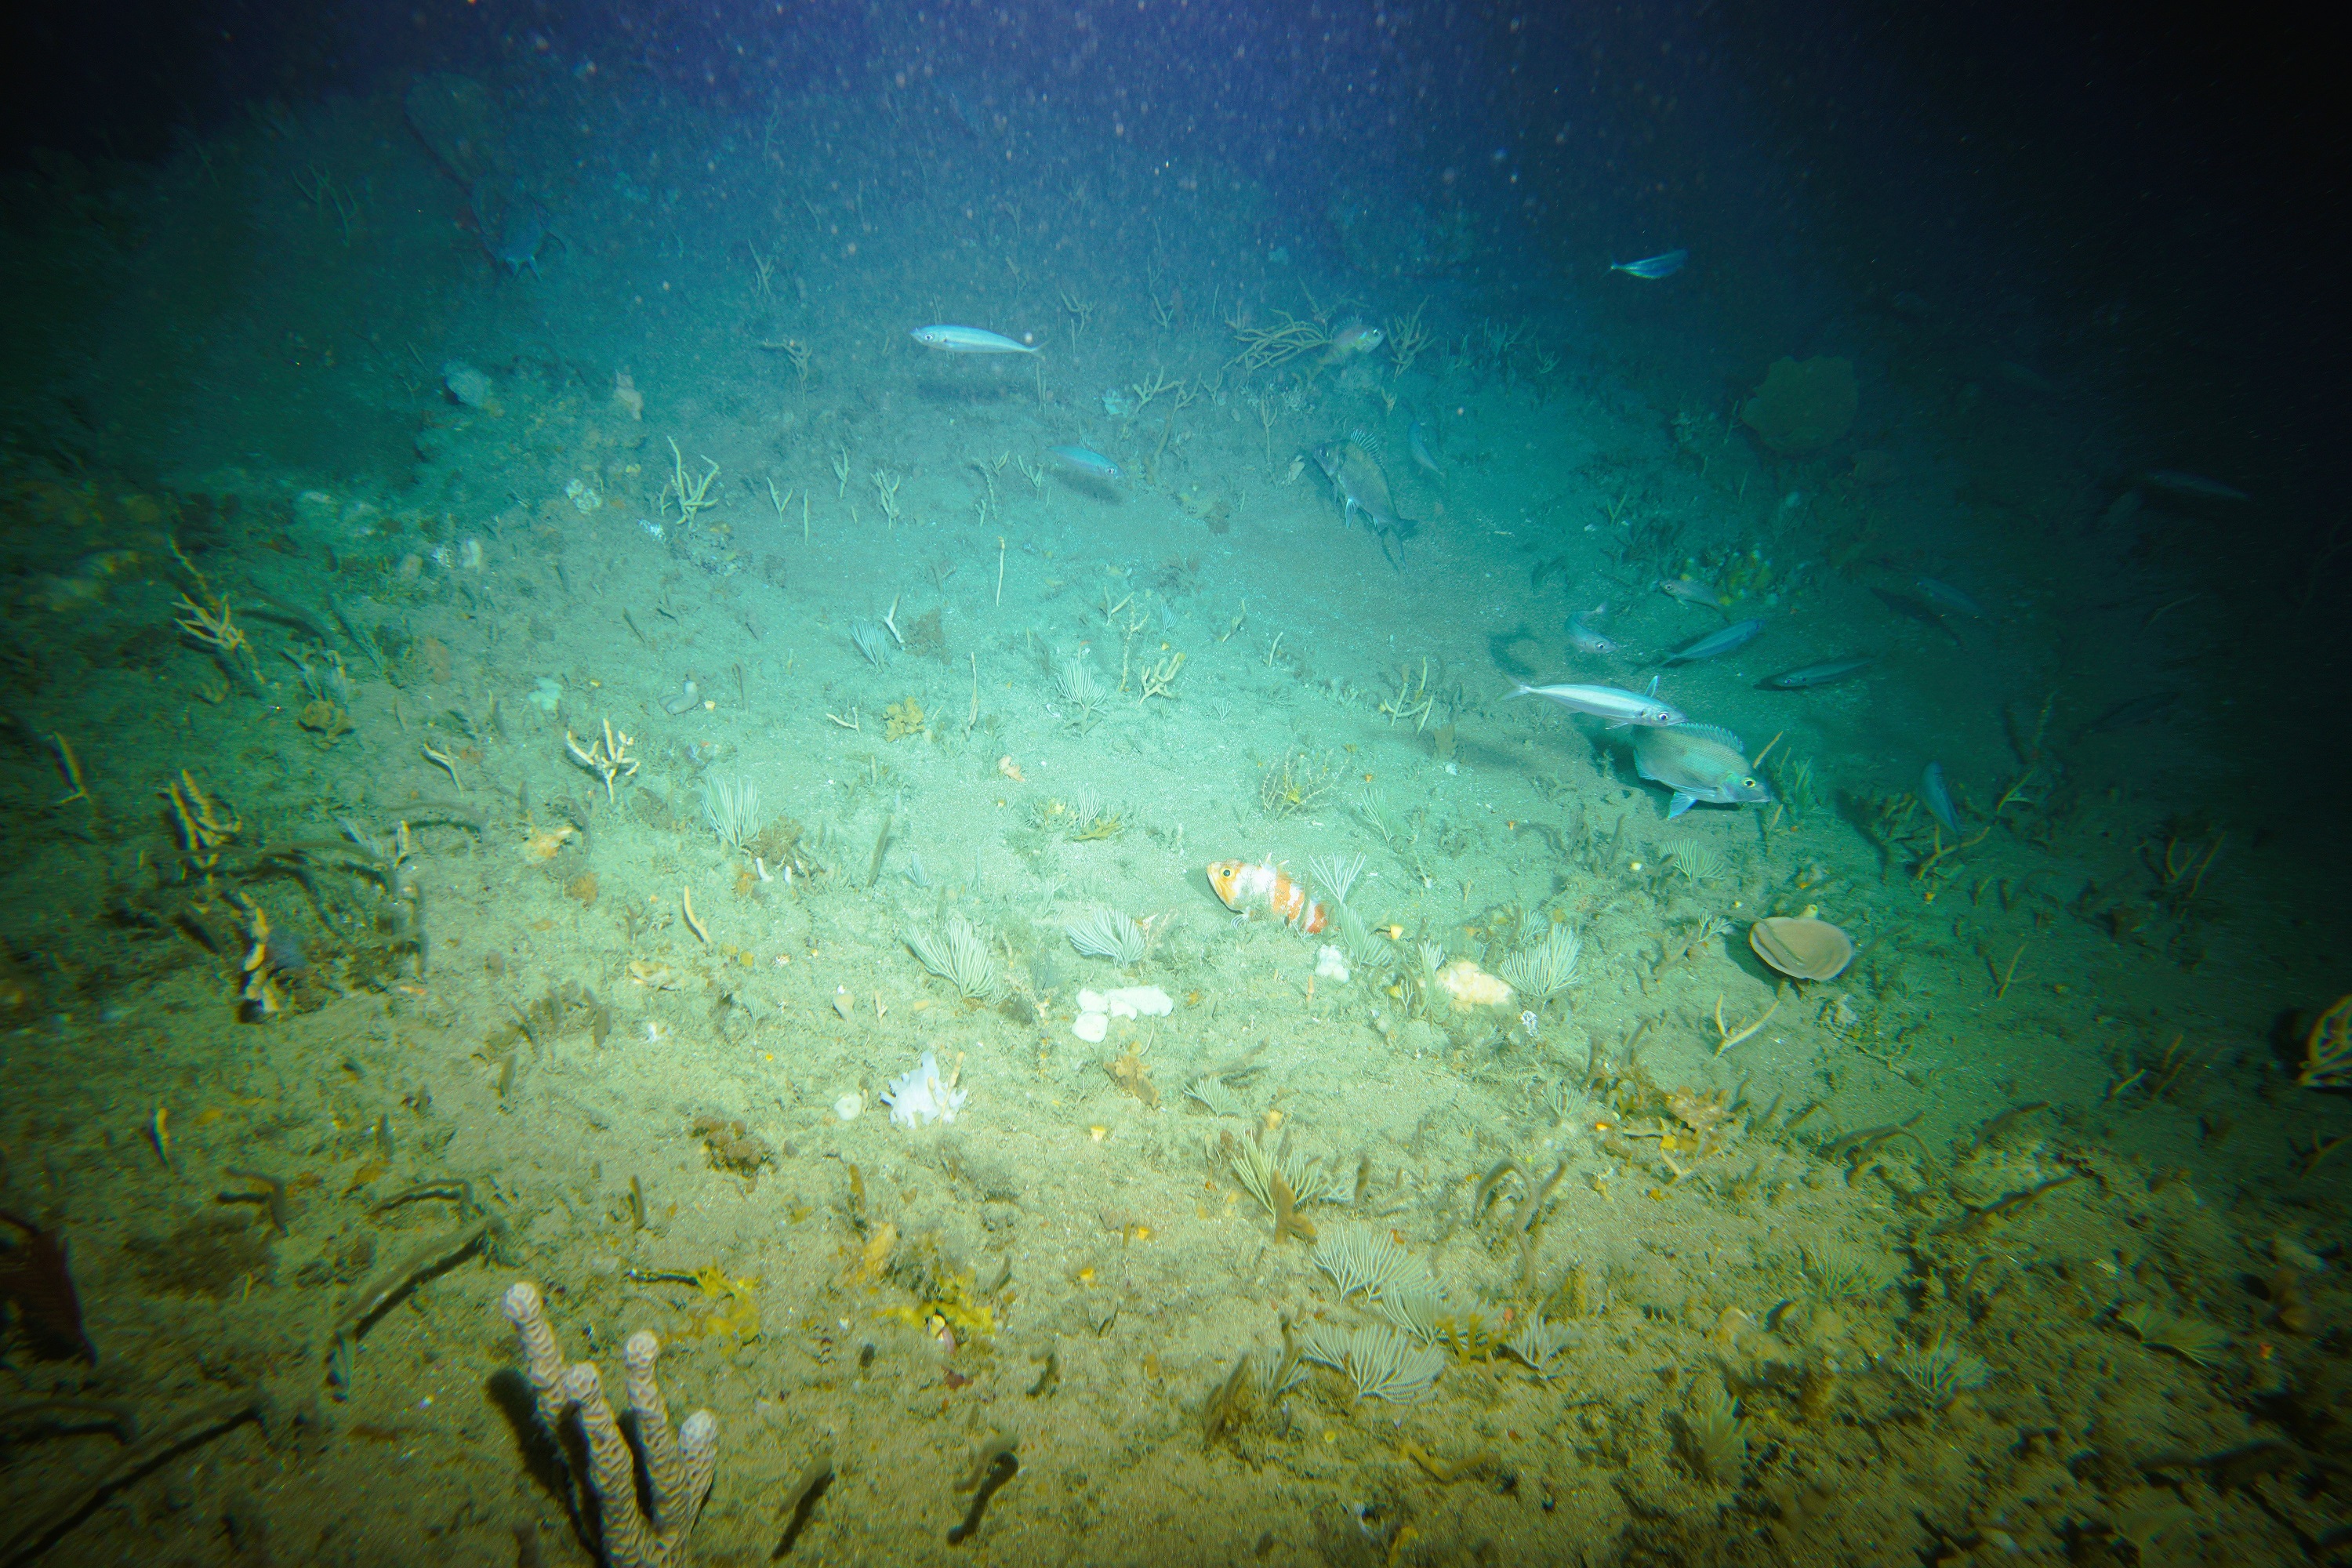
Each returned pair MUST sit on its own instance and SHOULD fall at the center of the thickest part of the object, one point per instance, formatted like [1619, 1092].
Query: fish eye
[1746, 783]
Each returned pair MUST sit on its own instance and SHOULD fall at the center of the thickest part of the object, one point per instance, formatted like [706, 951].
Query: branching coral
[608, 759]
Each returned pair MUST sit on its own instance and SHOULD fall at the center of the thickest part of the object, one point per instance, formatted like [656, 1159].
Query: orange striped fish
[1247, 888]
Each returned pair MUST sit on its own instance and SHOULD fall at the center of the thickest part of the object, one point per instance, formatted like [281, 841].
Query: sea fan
[871, 641]
[1715, 1440]
[1309, 1181]
[1380, 1361]
[1539, 1344]
[732, 809]
[957, 954]
[1074, 677]
[1699, 862]
[1549, 967]
[1103, 933]
[2192, 1338]
[1218, 1096]
[1938, 1374]
[1335, 874]
[1364, 948]
[1360, 1259]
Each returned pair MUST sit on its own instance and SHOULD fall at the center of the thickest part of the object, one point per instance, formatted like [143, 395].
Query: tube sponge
[678, 1464]
[628, 1543]
[663, 1466]
[542, 1361]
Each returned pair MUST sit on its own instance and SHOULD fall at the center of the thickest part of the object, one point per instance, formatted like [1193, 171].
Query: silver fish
[2026, 377]
[1919, 610]
[1417, 436]
[2196, 487]
[1691, 593]
[1610, 702]
[968, 340]
[1829, 672]
[1936, 797]
[1353, 467]
[1739, 634]
[1699, 763]
[1584, 640]
[1951, 598]
[1665, 266]
[519, 230]
[1087, 461]
[2132, 711]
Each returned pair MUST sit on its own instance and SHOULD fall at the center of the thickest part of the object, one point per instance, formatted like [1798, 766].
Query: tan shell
[1802, 948]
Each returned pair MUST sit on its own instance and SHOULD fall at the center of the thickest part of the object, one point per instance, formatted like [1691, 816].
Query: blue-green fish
[1739, 634]
[1417, 438]
[1949, 597]
[1829, 672]
[968, 340]
[1699, 763]
[1086, 461]
[2134, 710]
[1919, 610]
[1665, 266]
[1936, 796]
[2196, 487]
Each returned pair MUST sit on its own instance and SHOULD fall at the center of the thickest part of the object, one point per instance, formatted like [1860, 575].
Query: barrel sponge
[1803, 405]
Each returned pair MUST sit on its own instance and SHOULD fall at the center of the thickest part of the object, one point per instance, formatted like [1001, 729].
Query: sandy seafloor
[2141, 1363]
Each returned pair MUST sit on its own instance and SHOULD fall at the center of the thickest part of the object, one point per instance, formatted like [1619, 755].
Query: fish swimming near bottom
[1936, 796]
[1416, 436]
[1700, 763]
[1829, 672]
[1584, 638]
[1917, 610]
[1351, 340]
[1654, 267]
[1691, 593]
[1246, 887]
[2132, 711]
[514, 237]
[1085, 460]
[968, 340]
[1353, 466]
[2194, 486]
[1952, 598]
[1610, 702]
[1737, 634]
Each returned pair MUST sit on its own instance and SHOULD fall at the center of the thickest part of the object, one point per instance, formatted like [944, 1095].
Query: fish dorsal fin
[1367, 444]
[1715, 732]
